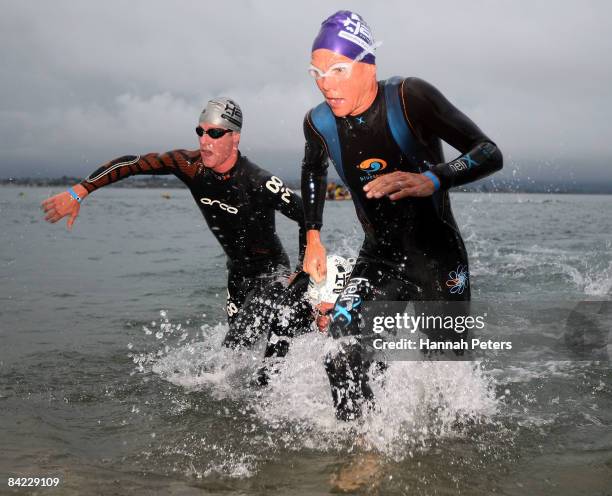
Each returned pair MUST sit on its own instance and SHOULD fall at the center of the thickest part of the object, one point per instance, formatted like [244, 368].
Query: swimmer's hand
[63, 204]
[399, 185]
[315, 258]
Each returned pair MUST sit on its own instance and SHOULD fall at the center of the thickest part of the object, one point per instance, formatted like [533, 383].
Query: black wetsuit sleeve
[431, 115]
[314, 176]
[283, 199]
[177, 162]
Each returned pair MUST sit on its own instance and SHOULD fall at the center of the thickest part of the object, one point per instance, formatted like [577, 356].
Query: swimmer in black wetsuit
[237, 198]
[384, 139]
[303, 307]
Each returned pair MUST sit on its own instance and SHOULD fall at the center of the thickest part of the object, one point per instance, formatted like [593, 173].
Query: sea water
[113, 377]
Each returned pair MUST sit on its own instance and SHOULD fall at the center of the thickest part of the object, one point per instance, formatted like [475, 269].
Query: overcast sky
[83, 82]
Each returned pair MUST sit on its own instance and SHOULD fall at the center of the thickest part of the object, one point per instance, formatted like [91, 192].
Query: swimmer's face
[346, 85]
[323, 318]
[216, 152]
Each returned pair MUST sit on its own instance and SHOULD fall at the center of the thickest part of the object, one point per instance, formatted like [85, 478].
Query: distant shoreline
[157, 182]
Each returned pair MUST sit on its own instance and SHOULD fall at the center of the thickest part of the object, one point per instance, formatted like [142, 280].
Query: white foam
[415, 401]
[208, 364]
[600, 284]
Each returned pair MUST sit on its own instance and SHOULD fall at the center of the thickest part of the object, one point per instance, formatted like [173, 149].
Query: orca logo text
[222, 206]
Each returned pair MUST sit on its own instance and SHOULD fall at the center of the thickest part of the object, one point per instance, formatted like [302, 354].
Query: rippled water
[112, 373]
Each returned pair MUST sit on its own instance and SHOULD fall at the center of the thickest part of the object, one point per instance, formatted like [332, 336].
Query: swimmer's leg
[347, 367]
[446, 293]
[238, 287]
[292, 316]
[250, 307]
[348, 377]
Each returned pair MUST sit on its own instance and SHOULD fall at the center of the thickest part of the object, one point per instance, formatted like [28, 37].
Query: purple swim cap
[346, 33]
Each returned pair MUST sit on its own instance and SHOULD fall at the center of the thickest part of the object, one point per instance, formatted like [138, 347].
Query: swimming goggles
[214, 133]
[341, 70]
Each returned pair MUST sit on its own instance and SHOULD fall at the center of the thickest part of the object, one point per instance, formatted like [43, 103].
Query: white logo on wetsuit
[458, 165]
[276, 185]
[231, 309]
[222, 206]
[351, 294]
[230, 306]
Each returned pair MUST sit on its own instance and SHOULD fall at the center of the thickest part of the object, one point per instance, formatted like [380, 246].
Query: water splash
[416, 402]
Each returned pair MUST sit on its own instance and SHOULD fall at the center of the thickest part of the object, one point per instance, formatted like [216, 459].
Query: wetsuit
[293, 315]
[413, 250]
[282, 316]
[239, 209]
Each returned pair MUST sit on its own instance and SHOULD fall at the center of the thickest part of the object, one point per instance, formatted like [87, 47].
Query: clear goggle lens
[341, 70]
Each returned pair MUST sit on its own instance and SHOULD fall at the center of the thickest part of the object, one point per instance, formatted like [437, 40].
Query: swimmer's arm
[433, 115]
[283, 199]
[178, 162]
[314, 176]
[68, 204]
[314, 186]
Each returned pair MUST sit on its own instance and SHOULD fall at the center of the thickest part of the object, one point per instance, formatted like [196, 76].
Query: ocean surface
[113, 378]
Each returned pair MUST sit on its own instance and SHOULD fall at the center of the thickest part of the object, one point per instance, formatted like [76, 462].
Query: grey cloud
[83, 82]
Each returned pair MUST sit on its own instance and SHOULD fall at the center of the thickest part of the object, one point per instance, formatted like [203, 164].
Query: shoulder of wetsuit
[184, 158]
[252, 173]
[244, 168]
[179, 161]
[190, 155]
[420, 97]
[417, 87]
[309, 125]
[182, 153]
[320, 123]
[312, 133]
